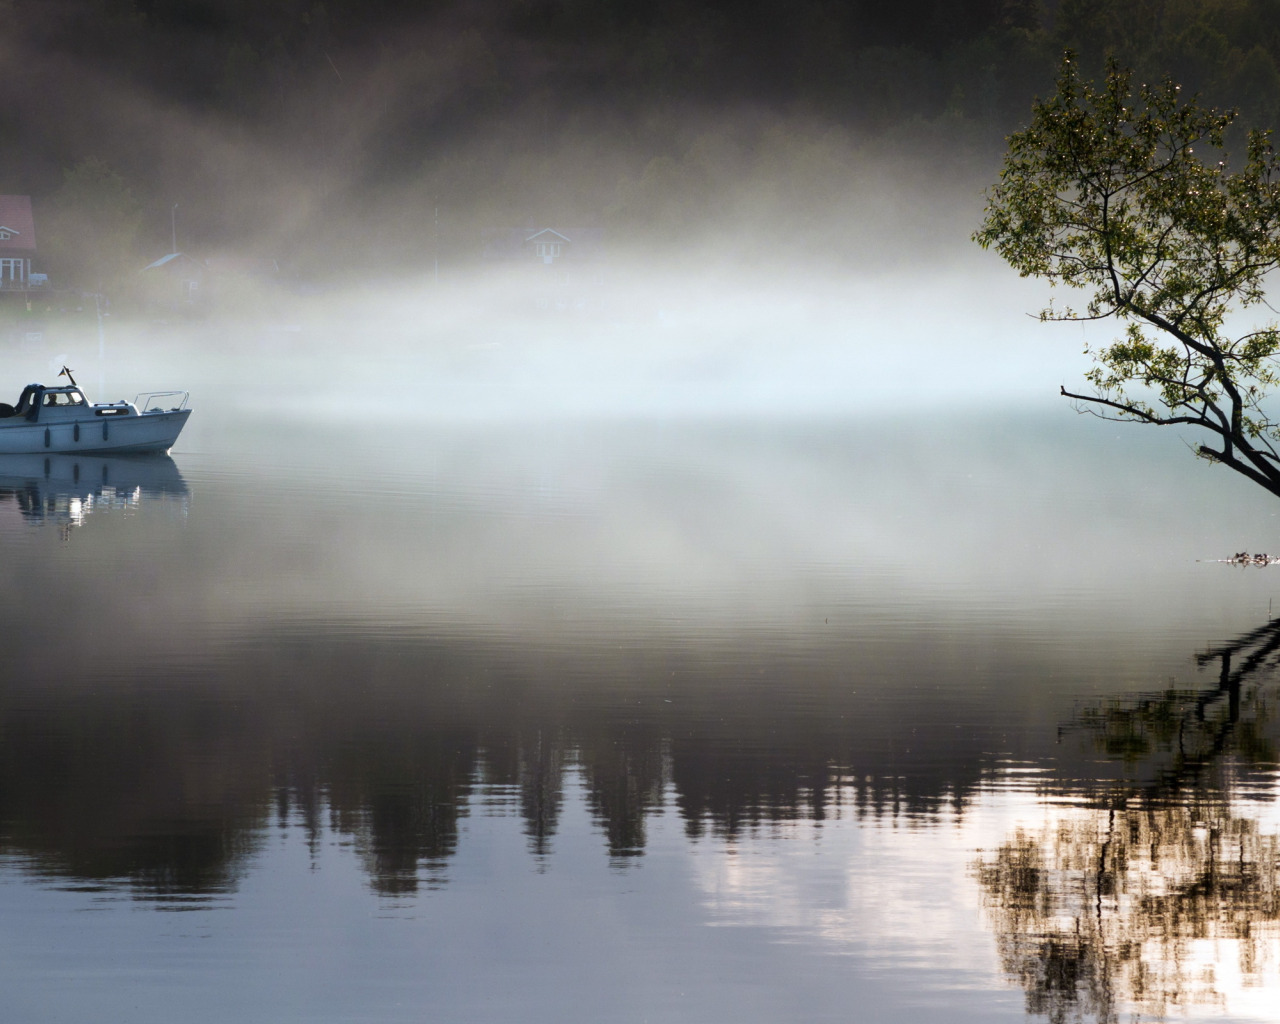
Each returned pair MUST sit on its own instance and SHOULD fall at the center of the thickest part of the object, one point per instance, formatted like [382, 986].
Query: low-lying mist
[628, 341]
[745, 259]
[732, 246]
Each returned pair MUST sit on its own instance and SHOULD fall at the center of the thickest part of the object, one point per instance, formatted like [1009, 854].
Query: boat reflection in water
[1160, 896]
[66, 489]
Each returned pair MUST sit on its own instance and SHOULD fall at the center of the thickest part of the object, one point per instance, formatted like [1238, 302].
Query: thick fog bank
[634, 342]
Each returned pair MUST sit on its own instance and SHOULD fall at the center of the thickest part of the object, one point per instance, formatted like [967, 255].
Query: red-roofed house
[17, 243]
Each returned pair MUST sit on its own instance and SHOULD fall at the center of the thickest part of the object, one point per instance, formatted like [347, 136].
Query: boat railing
[161, 401]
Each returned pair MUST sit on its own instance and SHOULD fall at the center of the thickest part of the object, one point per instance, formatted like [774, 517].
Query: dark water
[784, 720]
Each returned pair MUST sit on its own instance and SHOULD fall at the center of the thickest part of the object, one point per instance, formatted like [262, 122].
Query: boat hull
[148, 432]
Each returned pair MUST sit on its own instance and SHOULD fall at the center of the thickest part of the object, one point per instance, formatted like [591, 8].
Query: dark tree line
[255, 62]
[273, 125]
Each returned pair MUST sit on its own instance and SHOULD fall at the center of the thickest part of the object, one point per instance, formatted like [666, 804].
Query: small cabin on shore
[173, 280]
[560, 269]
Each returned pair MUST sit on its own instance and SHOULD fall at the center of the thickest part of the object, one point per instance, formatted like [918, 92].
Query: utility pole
[102, 348]
[173, 223]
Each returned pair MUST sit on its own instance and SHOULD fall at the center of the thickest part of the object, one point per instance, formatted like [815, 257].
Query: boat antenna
[64, 372]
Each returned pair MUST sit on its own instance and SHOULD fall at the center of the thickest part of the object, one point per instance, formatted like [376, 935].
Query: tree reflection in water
[1138, 896]
[1106, 907]
[387, 746]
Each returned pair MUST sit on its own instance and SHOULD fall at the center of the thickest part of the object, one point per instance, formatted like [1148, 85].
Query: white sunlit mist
[475, 347]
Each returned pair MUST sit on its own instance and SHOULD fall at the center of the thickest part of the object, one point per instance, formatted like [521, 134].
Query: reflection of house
[174, 279]
[17, 245]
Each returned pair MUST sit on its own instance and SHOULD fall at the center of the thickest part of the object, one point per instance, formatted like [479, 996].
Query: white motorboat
[61, 419]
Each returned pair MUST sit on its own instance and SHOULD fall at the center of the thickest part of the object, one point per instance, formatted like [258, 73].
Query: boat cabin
[39, 404]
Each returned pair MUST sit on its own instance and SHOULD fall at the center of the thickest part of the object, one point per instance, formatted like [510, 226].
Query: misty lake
[748, 717]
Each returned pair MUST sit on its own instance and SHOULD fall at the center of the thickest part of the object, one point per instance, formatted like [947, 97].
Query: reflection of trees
[1185, 733]
[736, 790]
[387, 749]
[169, 793]
[540, 775]
[1106, 905]
[532, 763]
[159, 818]
[402, 802]
[625, 775]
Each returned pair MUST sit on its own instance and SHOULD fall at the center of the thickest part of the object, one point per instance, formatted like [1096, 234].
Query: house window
[5, 234]
[12, 269]
[548, 251]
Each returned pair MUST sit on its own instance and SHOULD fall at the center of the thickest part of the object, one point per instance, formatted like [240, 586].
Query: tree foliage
[93, 225]
[1128, 194]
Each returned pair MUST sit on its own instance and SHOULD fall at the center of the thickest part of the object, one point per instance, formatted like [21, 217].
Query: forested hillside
[405, 126]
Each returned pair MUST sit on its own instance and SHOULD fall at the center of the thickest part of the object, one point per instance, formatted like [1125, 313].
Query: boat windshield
[63, 398]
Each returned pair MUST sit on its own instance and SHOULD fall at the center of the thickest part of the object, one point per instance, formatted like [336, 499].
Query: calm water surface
[734, 720]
